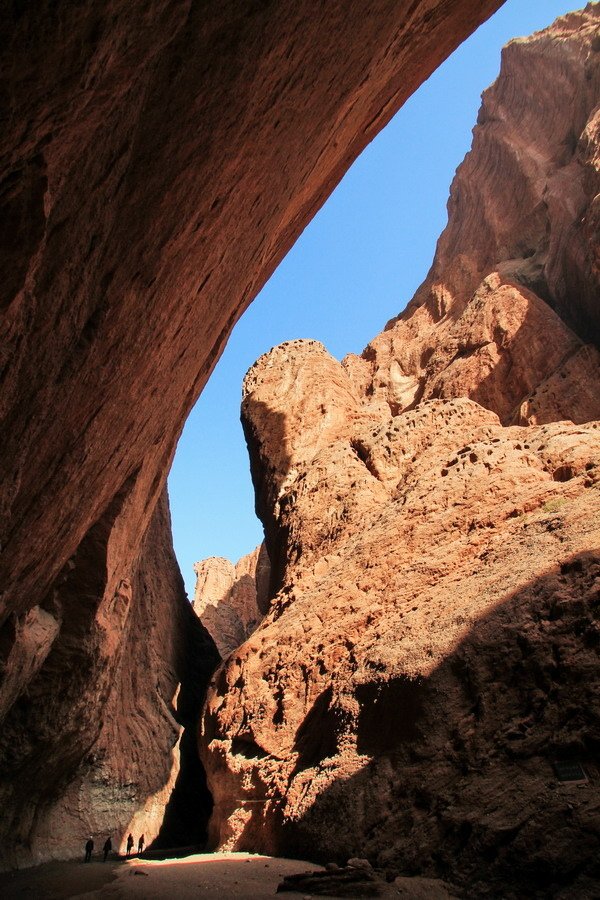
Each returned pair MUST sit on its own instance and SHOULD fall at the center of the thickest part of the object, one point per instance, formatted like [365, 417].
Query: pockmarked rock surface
[157, 160]
[231, 601]
[431, 513]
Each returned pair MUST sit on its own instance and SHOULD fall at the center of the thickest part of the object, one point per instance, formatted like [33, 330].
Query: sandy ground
[206, 876]
[57, 880]
[210, 876]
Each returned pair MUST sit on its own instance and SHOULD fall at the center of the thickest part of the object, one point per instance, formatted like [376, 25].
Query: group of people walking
[89, 847]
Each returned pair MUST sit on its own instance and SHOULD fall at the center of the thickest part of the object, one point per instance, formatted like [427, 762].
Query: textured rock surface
[232, 600]
[434, 532]
[129, 222]
[137, 652]
[523, 225]
[507, 350]
[432, 650]
[356, 882]
[157, 160]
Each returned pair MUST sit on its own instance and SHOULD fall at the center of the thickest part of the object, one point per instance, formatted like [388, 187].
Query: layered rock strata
[431, 512]
[157, 160]
[231, 601]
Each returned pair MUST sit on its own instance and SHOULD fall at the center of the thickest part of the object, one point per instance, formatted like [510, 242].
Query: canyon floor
[212, 876]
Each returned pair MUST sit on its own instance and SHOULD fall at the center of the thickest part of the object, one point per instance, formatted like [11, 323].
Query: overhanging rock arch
[157, 161]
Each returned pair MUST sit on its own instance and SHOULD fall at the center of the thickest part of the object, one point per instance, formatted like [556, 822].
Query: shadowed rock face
[432, 523]
[157, 160]
[139, 655]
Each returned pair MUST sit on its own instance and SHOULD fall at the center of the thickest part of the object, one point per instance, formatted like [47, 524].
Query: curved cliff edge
[157, 161]
[424, 689]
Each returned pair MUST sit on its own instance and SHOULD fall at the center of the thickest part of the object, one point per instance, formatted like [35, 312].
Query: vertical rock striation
[522, 228]
[430, 657]
[133, 649]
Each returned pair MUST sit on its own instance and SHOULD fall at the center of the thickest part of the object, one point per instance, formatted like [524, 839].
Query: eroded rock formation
[231, 601]
[431, 512]
[157, 160]
[145, 666]
[524, 209]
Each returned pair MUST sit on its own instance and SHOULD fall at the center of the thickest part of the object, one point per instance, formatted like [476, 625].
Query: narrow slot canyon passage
[401, 683]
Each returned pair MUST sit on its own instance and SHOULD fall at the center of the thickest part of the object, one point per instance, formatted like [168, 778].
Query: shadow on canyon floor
[461, 783]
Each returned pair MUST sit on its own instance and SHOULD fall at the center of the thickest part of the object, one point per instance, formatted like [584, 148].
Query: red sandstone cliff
[231, 601]
[523, 227]
[157, 160]
[432, 522]
[136, 653]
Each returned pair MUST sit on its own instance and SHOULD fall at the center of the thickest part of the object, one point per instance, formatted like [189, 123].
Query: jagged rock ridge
[157, 160]
[231, 601]
[432, 523]
[523, 212]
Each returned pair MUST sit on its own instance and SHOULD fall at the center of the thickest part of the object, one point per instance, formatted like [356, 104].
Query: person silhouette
[141, 844]
[129, 844]
[89, 846]
[107, 847]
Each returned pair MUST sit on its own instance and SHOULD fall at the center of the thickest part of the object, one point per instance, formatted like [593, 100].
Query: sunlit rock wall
[432, 522]
[231, 600]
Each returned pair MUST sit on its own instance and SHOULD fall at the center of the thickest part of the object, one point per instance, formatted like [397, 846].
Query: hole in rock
[563, 473]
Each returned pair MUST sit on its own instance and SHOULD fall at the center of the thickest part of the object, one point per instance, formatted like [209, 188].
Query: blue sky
[355, 266]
